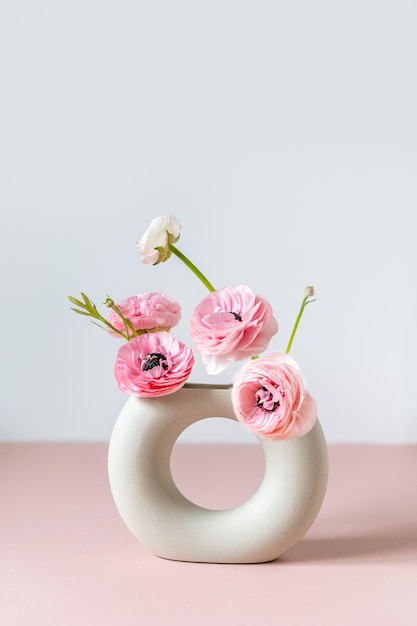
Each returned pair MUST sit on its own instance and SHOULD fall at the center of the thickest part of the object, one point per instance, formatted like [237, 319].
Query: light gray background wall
[282, 134]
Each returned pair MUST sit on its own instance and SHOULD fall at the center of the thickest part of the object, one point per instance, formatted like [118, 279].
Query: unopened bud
[309, 291]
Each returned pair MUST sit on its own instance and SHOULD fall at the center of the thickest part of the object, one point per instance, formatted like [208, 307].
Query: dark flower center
[237, 316]
[265, 399]
[153, 360]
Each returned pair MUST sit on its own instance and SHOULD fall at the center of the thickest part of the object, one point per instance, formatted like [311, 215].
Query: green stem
[89, 308]
[127, 324]
[103, 320]
[297, 321]
[192, 267]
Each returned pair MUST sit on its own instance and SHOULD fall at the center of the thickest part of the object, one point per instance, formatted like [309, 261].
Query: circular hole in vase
[217, 464]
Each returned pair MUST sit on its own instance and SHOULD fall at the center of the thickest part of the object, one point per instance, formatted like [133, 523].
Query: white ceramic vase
[273, 520]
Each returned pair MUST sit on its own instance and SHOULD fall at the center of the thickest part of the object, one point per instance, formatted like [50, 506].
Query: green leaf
[81, 312]
[107, 328]
[77, 302]
[100, 326]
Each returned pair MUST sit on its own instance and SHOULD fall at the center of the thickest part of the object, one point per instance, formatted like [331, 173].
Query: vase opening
[195, 466]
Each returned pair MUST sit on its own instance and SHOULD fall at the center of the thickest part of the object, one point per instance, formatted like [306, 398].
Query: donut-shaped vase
[261, 529]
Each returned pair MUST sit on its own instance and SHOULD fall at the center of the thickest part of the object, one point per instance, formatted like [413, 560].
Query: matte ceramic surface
[273, 520]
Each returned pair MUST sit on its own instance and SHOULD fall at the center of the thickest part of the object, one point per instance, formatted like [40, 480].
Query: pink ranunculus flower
[154, 364]
[153, 245]
[147, 312]
[270, 399]
[231, 324]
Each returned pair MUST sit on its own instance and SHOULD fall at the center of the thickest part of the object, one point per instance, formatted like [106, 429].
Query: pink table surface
[67, 558]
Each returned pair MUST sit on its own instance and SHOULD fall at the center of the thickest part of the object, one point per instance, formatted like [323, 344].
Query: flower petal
[270, 399]
[233, 323]
[147, 312]
[140, 365]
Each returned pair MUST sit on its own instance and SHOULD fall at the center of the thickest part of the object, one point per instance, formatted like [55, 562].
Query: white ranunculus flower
[153, 245]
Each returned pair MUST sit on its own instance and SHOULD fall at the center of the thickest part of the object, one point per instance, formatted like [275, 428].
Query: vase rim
[207, 386]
